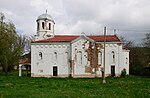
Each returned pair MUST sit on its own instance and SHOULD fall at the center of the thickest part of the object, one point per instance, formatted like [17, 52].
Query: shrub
[123, 73]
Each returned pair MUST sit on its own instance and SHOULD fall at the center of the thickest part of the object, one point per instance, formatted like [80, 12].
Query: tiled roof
[109, 38]
[25, 61]
[59, 38]
[69, 38]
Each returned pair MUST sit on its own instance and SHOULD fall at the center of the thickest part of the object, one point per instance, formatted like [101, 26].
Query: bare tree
[25, 42]
[146, 40]
[127, 43]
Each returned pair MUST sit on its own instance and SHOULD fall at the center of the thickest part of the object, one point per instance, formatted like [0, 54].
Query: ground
[12, 86]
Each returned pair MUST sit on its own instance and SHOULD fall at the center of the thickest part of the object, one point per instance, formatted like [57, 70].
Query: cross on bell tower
[46, 11]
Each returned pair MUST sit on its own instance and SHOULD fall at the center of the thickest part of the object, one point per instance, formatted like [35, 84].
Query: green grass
[12, 86]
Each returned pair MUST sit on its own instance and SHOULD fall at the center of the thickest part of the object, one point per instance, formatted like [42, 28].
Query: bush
[123, 73]
[145, 71]
[140, 70]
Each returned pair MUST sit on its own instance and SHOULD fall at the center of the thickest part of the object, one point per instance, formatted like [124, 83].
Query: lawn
[12, 86]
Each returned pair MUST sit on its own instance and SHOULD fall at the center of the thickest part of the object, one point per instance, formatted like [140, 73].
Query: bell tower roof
[45, 16]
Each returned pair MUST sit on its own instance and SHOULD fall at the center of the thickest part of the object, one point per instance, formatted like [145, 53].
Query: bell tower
[45, 27]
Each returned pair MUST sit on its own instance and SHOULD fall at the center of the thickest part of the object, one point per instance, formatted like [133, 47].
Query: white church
[75, 56]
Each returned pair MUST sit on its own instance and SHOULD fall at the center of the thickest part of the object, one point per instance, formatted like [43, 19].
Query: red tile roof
[59, 38]
[109, 38]
[69, 38]
[25, 61]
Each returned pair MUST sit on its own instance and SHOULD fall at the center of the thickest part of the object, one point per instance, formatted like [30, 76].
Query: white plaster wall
[110, 46]
[45, 66]
[108, 58]
[48, 49]
[120, 58]
[125, 61]
[32, 60]
[78, 47]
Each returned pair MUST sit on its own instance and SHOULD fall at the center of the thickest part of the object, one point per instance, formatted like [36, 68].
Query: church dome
[45, 16]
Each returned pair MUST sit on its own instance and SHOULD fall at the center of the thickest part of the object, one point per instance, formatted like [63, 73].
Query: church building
[75, 55]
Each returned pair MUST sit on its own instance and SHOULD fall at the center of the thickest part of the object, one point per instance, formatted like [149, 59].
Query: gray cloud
[76, 16]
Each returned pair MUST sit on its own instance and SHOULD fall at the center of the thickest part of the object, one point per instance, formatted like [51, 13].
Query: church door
[112, 70]
[54, 70]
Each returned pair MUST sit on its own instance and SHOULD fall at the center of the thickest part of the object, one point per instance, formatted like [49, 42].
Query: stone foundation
[88, 75]
[51, 76]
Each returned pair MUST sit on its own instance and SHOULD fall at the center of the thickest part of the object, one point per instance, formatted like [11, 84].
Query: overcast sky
[130, 18]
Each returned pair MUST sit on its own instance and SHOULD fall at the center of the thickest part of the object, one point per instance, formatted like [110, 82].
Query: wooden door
[54, 70]
[112, 70]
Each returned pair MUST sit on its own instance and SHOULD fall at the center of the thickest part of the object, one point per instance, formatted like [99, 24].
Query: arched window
[43, 25]
[113, 56]
[49, 26]
[55, 56]
[38, 26]
[40, 55]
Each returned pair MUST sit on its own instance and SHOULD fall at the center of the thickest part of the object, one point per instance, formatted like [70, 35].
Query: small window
[40, 55]
[113, 57]
[55, 56]
[43, 25]
[49, 26]
[126, 60]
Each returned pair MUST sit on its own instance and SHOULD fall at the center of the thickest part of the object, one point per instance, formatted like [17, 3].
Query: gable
[82, 37]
